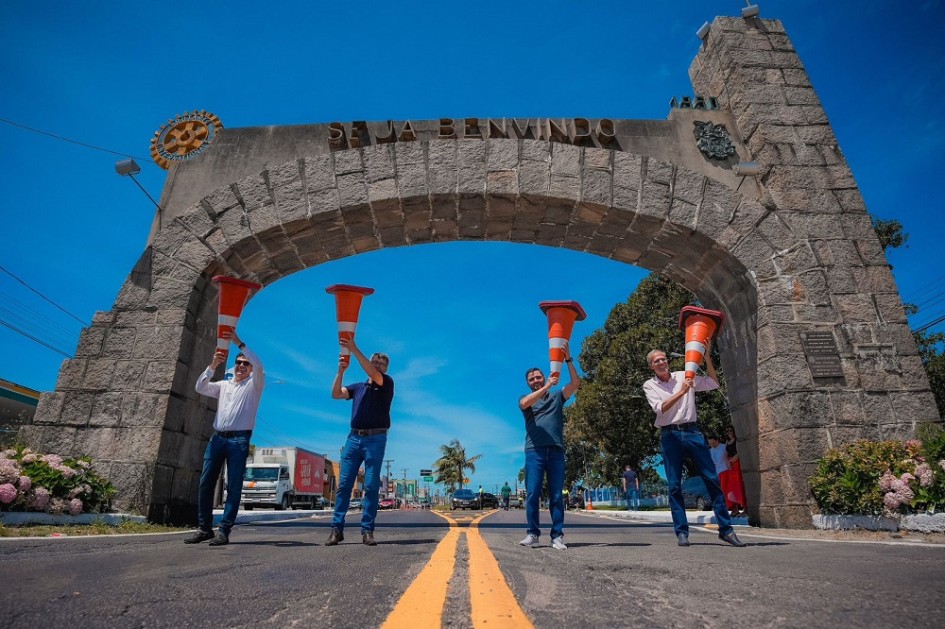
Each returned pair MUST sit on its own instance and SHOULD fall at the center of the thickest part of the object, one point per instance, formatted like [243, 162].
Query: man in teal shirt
[506, 492]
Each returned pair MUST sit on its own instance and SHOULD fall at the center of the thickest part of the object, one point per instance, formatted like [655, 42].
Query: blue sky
[110, 74]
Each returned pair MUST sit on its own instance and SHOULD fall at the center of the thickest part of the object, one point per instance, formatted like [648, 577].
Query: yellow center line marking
[422, 604]
[493, 603]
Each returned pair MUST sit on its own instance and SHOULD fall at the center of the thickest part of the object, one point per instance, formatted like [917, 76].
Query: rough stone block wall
[826, 272]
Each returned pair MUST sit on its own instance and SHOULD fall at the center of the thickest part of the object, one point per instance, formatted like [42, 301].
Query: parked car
[575, 500]
[355, 504]
[387, 503]
[515, 502]
[695, 494]
[464, 499]
[489, 501]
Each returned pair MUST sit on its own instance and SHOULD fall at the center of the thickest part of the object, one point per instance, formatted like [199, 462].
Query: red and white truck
[282, 478]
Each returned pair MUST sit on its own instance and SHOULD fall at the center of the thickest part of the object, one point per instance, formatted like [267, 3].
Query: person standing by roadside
[543, 410]
[232, 427]
[631, 488]
[506, 493]
[720, 459]
[367, 441]
[735, 494]
[672, 397]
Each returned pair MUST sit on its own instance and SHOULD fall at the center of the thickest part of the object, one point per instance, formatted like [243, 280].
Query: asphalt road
[615, 573]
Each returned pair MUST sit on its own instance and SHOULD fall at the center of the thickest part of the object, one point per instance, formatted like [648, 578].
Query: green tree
[451, 468]
[610, 424]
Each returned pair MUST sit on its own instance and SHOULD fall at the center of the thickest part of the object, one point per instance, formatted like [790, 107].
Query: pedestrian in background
[720, 459]
[735, 496]
[631, 488]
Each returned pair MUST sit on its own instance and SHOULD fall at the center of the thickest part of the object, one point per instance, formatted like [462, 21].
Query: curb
[919, 522]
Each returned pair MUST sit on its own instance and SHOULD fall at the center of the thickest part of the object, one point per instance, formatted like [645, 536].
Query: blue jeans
[233, 451]
[370, 451]
[633, 499]
[689, 442]
[540, 462]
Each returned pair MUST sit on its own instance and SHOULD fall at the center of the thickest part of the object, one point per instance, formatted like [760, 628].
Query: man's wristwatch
[241, 345]
[569, 360]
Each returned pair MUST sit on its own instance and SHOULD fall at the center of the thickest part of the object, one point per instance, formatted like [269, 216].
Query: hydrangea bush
[31, 481]
[883, 477]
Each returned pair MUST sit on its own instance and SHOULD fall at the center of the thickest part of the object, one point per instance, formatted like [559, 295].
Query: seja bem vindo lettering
[579, 131]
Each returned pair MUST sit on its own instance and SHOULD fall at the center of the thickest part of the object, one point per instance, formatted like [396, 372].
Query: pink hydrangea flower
[40, 499]
[53, 460]
[25, 483]
[66, 471]
[941, 464]
[9, 472]
[891, 501]
[7, 493]
[75, 506]
[29, 458]
[924, 473]
[83, 464]
[886, 481]
[57, 506]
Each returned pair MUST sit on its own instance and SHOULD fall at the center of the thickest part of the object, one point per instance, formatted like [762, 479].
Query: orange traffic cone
[348, 307]
[590, 503]
[700, 325]
[561, 318]
[234, 294]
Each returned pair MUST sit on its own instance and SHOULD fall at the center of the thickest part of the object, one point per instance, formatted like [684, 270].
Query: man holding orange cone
[671, 395]
[543, 410]
[232, 428]
[367, 441]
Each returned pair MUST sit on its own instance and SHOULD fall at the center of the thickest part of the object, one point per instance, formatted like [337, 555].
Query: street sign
[428, 479]
[426, 472]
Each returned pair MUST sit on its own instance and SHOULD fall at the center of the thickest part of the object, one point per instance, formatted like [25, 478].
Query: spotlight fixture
[703, 31]
[130, 168]
[752, 10]
[747, 169]
[127, 167]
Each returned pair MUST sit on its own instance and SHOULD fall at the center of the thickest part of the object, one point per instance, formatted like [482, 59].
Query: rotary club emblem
[184, 137]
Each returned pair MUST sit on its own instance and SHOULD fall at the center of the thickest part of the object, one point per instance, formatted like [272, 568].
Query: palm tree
[451, 467]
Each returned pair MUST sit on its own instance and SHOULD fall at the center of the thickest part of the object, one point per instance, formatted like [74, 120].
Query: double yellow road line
[493, 603]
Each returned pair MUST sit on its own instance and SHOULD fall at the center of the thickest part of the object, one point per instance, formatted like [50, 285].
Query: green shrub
[31, 481]
[883, 477]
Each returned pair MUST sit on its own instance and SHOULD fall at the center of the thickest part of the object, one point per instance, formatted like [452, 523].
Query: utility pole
[405, 484]
[387, 488]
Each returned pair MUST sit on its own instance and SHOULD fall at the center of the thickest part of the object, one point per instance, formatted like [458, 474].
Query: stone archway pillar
[828, 273]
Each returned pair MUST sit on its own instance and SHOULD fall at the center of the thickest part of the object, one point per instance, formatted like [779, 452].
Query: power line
[33, 338]
[42, 295]
[59, 137]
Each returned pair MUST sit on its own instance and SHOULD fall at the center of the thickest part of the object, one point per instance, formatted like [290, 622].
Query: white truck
[283, 478]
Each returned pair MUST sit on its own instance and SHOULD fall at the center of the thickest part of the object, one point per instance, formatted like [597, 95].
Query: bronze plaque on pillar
[823, 357]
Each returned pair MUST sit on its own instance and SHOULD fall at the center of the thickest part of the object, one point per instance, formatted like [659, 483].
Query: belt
[367, 432]
[688, 426]
[234, 433]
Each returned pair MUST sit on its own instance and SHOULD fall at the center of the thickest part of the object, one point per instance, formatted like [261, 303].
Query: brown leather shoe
[368, 539]
[732, 539]
[335, 537]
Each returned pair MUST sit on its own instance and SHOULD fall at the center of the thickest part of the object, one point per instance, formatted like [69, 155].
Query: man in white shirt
[672, 397]
[232, 428]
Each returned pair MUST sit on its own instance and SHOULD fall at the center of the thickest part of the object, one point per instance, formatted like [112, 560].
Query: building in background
[17, 407]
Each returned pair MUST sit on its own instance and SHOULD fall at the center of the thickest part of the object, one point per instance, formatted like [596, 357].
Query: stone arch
[793, 252]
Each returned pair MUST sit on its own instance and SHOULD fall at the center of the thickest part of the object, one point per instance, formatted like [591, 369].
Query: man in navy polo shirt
[367, 441]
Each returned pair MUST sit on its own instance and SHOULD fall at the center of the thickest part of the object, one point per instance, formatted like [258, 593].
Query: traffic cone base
[347, 309]
[234, 294]
[561, 317]
[700, 325]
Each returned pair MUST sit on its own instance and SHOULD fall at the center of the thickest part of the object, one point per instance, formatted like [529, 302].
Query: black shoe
[682, 539]
[199, 536]
[732, 539]
[368, 539]
[335, 537]
[220, 540]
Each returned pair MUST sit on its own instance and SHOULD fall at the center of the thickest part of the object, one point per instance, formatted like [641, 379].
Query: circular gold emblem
[184, 137]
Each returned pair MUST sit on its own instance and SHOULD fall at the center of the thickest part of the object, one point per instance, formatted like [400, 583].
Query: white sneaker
[530, 540]
[558, 543]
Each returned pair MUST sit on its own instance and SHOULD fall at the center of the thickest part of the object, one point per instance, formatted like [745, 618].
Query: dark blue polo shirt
[371, 407]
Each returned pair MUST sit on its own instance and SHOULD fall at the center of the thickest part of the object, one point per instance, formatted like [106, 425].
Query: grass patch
[76, 530]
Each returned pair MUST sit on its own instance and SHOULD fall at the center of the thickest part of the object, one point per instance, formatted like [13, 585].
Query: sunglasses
[244, 363]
